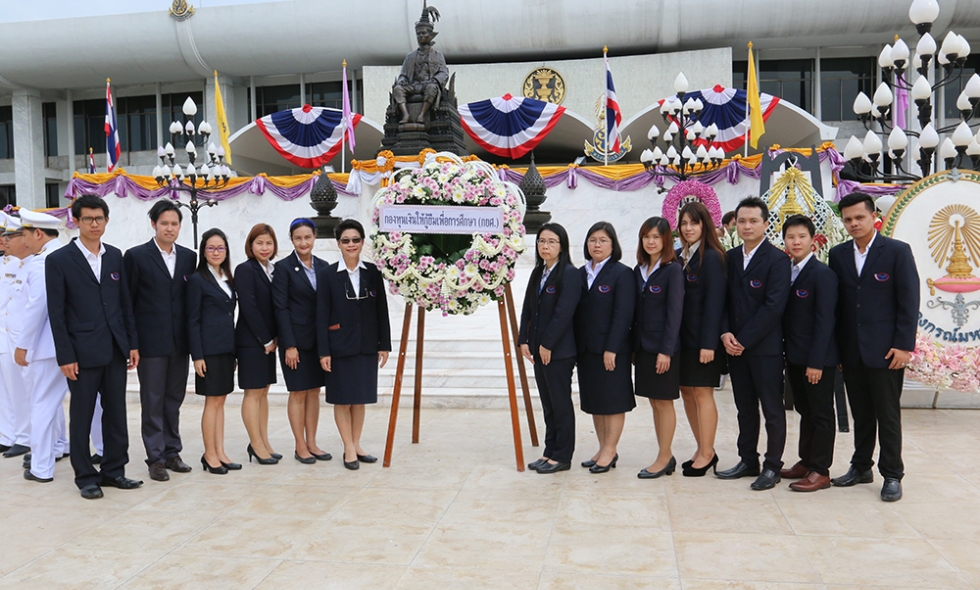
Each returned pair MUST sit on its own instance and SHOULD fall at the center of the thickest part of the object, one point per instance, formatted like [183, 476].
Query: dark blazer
[88, 316]
[210, 317]
[348, 327]
[605, 312]
[880, 309]
[808, 322]
[294, 300]
[705, 285]
[547, 318]
[659, 309]
[158, 300]
[757, 298]
[256, 315]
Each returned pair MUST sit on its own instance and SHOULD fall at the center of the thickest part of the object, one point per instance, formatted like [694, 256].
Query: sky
[14, 12]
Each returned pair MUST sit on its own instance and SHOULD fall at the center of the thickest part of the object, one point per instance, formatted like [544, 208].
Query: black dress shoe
[96, 459]
[604, 468]
[742, 469]
[231, 466]
[4, 448]
[668, 470]
[219, 470]
[767, 480]
[175, 463]
[60, 457]
[367, 458]
[31, 477]
[158, 472]
[305, 460]
[270, 460]
[534, 465]
[91, 492]
[852, 477]
[892, 490]
[121, 482]
[549, 467]
[276, 456]
[352, 465]
[588, 463]
[326, 457]
[692, 471]
[16, 451]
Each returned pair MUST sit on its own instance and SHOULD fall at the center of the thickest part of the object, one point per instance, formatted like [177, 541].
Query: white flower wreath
[453, 273]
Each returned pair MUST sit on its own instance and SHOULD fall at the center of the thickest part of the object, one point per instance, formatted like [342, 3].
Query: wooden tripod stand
[505, 307]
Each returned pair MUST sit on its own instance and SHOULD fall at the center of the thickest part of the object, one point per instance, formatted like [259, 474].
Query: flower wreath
[682, 192]
[945, 366]
[451, 272]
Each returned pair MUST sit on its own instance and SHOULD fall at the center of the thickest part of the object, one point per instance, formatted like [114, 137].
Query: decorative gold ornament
[180, 10]
[544, 84]
[782, 197]
[957, 226]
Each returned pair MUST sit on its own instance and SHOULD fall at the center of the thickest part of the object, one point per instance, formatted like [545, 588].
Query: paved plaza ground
[452, 512]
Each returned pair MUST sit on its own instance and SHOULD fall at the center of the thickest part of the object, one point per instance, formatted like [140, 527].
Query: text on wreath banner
[436, 219]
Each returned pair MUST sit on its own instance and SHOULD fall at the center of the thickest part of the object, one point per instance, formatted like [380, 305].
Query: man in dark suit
[877, 312]
[811, 355]
[156, 279]
[95, 338]
[758, 285]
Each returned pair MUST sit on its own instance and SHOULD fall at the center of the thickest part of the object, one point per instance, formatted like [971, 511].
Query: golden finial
[605, 49]
[750, 45]
[897, 37]
[216, 73]
[107, 81]
[344, 64]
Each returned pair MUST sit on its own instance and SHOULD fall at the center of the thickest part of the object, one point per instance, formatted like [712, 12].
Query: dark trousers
[875, 396]
[841, 398]
[163, 385]
[110, 381]
[815, 404]
[759, 380]
[554, 382]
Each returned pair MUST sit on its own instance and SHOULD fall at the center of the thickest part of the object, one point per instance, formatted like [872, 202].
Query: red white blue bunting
[507, 126]
[725, 107]
[309, 137]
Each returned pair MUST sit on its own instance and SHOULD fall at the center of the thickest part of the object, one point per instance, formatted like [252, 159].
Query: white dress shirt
[353, 275]
[646, 271]
[592, 270]
[170, 260]
[687, 253]
[798, 268]
[269, 268]
[94, 260]
[545, 275]
[223, 283]
[747, 256]
[859, 257]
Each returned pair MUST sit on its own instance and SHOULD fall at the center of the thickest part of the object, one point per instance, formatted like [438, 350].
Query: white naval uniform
[44, 376]
[16, 400]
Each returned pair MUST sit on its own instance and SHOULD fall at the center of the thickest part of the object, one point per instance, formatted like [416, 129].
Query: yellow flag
[224, 132]
[756, 124]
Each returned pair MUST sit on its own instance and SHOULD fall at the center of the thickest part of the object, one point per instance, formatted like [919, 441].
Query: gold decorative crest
[544, 84]
[954, 231]
[181, 10]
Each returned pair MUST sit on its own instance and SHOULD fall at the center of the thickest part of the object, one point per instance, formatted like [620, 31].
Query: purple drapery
[123, 186]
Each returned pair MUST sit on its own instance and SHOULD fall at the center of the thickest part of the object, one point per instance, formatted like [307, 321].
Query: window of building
[840, 82]
[6, 132]
[137, 120]
[740, 74]
[953, 91]
[272, 99]
[789, 79]
[52, 196]
[89, 121]
[49, 113]
[8, 195]
[330, 94]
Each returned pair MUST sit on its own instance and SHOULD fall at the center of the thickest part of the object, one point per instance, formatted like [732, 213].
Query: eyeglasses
[347, 291]
[215, 249]
[548, 242]
[346, 241]
[96, 220]
[599, 241]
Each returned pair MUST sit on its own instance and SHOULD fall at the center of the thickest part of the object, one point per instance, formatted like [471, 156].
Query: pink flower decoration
[680, 192]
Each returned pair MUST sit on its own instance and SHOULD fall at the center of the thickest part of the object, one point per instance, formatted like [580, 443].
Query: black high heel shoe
[219, 470]
[251, 453]
[304, 460]
[588, 463]
[231, 466]
[604, 468]
[668, 470]
[700, 471]
[276, 456]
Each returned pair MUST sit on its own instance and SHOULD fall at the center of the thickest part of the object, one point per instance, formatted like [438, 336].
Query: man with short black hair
[95, 339]
[156, 278]
[877, 315]
[811, 355]
[758, 286]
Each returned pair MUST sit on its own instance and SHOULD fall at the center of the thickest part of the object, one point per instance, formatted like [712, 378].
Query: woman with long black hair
[547, 339]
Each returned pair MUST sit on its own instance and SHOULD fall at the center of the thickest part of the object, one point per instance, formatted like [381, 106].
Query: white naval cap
[11, 224]
[3, 220]
[36, 220]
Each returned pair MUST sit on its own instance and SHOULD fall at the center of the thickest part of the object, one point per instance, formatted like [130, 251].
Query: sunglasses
[346, 241]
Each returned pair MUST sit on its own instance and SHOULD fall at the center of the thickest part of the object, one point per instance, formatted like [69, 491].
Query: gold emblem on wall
[181, 10]
[544, 84]
[954, 237]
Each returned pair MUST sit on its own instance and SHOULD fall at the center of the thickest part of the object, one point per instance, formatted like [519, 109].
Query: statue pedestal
[441, 131]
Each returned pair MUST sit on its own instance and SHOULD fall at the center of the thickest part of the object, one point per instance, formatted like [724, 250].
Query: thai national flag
[347, 114]
[614, 116]
[91, 161]
[112, 148]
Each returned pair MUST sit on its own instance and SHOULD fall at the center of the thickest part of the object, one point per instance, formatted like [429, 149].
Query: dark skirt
[256, 369]
[307, 375]
[605, 392]
[219, 378]
[353, 380]
[649, 383]
[694, 373]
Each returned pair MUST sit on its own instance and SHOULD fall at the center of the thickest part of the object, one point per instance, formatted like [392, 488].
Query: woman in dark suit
[602, 334]
[656, 335]
[705, 285]
[294, 299]
[211, 335]
[353, 336]
[255, 339]
[547, 339]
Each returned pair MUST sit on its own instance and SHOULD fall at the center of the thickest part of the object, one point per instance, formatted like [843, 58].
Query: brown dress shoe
[158, 472]
[811, 483]
[798, 471]
[175, 464]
